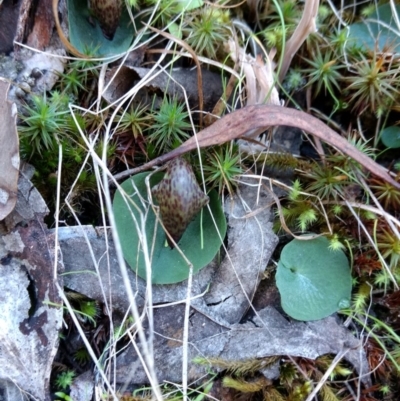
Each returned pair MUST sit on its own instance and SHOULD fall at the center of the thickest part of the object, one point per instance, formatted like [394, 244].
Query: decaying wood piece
[237, 124]
[9, 152]
[9, 14]
[35, 27]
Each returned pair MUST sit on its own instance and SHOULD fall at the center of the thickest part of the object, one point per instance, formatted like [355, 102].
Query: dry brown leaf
[305, 27]
[260, 84]
[240, 122]
[9, 152]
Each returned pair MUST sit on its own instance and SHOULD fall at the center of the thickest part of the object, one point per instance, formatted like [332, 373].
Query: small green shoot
[170, 126]
[222, 167]
[207, 32]
[324, 73]
[44, 121]
[65, 379]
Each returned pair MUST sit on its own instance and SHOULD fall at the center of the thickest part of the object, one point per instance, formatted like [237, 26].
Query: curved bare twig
[238, 123]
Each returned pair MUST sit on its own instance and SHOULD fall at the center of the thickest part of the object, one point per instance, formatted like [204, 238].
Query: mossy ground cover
[345, 73]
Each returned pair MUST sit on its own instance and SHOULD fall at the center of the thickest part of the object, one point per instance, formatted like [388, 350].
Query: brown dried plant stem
[305, 27]
[237, 124]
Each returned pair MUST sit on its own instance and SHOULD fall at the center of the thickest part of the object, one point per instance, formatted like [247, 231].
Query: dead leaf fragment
[305, 27]
[260, 82]
[9, 152]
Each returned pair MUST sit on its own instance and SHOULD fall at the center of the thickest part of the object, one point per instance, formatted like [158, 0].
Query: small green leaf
[84, 35]
[63, 396]
[391, 137]
[313, 280]
[167, 265]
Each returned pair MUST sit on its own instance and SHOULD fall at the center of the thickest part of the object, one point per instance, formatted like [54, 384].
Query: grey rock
[242, 342]
[29, 318]
[82, 387]
[251, 243]
[30, 204]
[29, 321]
[10, 392]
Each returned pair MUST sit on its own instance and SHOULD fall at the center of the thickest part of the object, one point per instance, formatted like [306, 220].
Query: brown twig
[238, 123]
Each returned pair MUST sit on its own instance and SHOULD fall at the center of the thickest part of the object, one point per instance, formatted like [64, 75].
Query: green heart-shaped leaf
[377, 32]
[167, 265]
[313, 280]
[391, 137]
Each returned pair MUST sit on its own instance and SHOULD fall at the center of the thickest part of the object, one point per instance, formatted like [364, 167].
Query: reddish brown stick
[238, 123]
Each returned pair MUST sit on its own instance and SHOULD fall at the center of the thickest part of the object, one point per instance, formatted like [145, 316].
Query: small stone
[36, 73]
[20, 93]
[30, 81]
[25, 87]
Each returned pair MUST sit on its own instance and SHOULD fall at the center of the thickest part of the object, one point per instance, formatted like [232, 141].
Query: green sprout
[65, 379]
[208, 31]
[44, 122]
[373, 86]
[170, 126]
[324, 73]
[222, 167]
